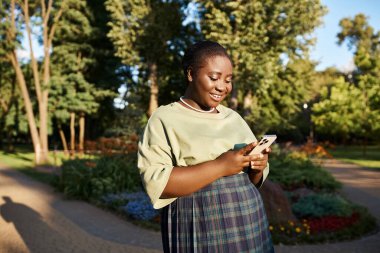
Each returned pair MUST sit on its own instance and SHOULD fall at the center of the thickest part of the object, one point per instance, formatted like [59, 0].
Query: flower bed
[325, 229]
[321, 215]
[331, 223]
[137, 205]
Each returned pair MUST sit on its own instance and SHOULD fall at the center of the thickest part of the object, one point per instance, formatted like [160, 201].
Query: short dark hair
[197, 53]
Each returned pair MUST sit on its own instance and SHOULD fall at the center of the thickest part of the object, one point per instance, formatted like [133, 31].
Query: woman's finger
[267, 150]
[248, 148]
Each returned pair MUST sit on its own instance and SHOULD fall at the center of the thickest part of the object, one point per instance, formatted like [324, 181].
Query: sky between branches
[326, 50]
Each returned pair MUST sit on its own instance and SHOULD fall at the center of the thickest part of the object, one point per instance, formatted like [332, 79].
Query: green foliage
[353, 108]
[364, 40]
[13, 121]
[261, 36]
[146, 34]
[7, 42]
[339, 111]
[105, 71]
[364, 156]
[295, 170]
[91, 179]
[319, 205]
[127, 26]
[346, 109]
[72, 58]
[75, 179]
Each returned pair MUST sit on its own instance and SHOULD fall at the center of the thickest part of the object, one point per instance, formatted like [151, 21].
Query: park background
[79, 80]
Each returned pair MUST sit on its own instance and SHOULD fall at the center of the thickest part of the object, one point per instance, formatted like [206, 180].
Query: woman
[193, 160]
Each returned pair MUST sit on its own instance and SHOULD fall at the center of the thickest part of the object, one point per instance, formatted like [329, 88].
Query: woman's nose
[220, 86]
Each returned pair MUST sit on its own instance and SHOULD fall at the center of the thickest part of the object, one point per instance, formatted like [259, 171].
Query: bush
[296, 170]
[74, 180]
[91, 179]
[319, 205]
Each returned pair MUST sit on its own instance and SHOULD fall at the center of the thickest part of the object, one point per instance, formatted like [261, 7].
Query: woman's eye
[229, 81]
[213, 78]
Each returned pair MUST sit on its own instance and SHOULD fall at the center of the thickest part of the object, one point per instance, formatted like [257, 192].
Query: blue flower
[110, 198]
[140, 209]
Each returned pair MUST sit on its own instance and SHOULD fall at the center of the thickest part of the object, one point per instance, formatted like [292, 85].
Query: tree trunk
[12, 56]
[81, 133]
[43, 109]
[153, 102]
[72, 134]
[233, 101]
[10, 147]
[63, 139]
[41, 92]
[247, 103]
[29, 109]
[47, 38]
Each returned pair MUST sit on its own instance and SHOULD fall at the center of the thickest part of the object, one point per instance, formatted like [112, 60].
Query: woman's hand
[234, 161]
[257, 167]
[189, 179]
[259, 163]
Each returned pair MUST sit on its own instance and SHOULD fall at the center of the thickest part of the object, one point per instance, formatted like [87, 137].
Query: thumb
[247, 148]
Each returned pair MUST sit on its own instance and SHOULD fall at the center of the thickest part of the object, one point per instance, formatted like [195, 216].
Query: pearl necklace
[195, 109]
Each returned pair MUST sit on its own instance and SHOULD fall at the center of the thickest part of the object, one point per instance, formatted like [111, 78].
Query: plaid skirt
[227, 216]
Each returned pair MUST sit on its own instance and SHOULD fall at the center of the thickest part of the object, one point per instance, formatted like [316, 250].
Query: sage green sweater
[178, 136]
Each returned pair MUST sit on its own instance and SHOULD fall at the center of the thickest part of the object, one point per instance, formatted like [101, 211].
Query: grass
[370, 158]
[23, 160]
[17, 160]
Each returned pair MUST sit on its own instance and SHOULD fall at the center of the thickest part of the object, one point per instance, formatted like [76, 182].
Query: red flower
[331, 223]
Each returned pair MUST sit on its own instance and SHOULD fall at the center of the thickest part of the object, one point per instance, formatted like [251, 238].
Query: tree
[339, 111]
[261, 36]
[11, 109]
[143, 33]
[33, 15]
[106, 70]
[362, 38]
[73, 57]
[355, 104]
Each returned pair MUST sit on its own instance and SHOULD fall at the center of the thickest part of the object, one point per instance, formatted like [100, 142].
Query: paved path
[34, 218]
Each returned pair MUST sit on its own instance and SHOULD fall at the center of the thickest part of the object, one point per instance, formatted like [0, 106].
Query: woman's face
[210, 85]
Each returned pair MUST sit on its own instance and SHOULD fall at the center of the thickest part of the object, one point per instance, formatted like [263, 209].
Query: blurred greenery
[319, 205]
[17, 160]
[295, 170]
[90, 179]
[23, 161]
[365, 156]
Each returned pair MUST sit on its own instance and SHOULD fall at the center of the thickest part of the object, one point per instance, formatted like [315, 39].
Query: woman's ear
[189, 75]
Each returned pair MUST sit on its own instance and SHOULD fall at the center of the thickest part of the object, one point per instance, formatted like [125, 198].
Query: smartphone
[265, 142]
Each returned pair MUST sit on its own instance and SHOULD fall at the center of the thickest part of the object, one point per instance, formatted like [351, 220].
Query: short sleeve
[155, 161]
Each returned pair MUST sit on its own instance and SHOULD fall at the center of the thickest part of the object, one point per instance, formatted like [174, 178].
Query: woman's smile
[217, 98]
